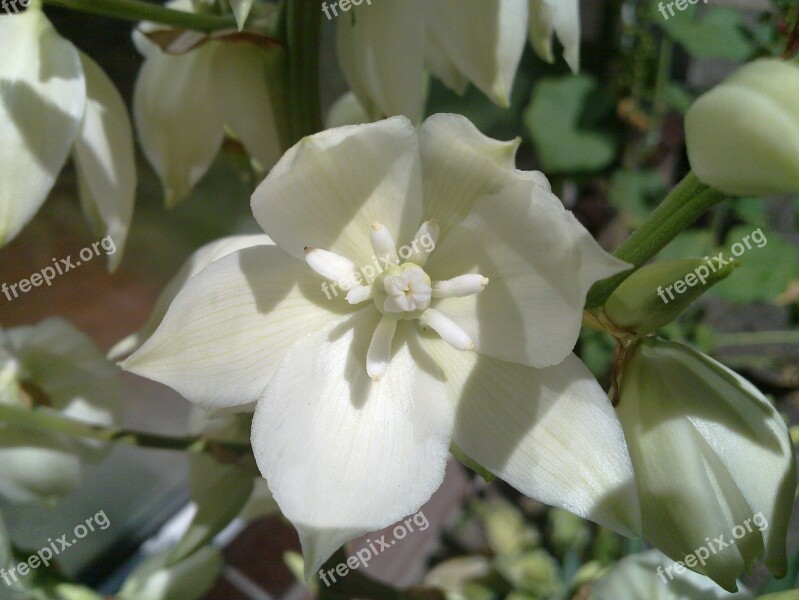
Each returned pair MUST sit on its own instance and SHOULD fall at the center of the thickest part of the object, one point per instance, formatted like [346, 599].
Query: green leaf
[678, 98]
[571, 121]
[719, 33]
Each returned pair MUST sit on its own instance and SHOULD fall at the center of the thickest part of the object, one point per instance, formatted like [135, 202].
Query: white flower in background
[183, 104]
[385, 47]
[51, 364]
[635, 577]
[189, 579]
[712, 457]
[55, 101]
[463, 333]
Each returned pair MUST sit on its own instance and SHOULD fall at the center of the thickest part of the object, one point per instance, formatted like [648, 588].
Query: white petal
[442, 66]
[198, 261]
[241, 10]
[550, 433]
[484, 39]
[460, 165]
[541, 263]
[329, 188]
[42, 99]
[346, 111]
[561, 17]
[36, 466]
[385, 70]
[239, 84]
[345, 455]
[226, 332]
[105, 160]
[179, 129]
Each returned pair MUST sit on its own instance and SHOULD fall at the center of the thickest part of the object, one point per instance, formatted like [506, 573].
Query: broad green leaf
[630, 191]
[718, 33]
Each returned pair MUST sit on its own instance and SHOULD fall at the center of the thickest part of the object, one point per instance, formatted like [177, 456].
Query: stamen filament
[379, 354]
[449, 331]
[332, 267]
[458, 287]
[383, 244]
[424, 242]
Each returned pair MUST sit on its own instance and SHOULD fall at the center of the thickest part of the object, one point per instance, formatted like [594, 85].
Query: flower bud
[743, 135]
[713, 461]
[650, 298]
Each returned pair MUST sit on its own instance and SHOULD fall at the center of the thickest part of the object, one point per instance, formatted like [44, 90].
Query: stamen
[333, 267]
[383, 244]
[449, 331]
[379, 354]
[359, 294]
[458, 287]
[424, 242]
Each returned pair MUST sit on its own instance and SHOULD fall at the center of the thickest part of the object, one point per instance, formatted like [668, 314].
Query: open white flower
[51, 364]
[54, 100]
[384, 47]
[465, 339]
[183, 103]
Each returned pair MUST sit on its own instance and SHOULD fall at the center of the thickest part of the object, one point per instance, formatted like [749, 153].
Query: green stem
[136, 10]
[303, 30]
[684, 205]
[46, 419]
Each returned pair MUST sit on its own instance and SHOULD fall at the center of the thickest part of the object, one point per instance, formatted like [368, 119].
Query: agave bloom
[51, 364]
[183, 103]
[368, 358]
[55, 101]
[385, 47]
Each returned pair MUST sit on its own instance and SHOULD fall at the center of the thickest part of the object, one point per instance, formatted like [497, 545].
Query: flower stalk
[684, 205]
[303, 29]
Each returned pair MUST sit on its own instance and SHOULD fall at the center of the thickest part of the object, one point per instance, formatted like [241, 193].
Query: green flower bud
[743, 135]
[636, 577]
[656, 294]
[506, 531]
[535, 572]
[459, 578]
[568, 531]
[713, 461]
[189, 579]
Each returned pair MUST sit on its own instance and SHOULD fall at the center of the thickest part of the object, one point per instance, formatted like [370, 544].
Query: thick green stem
[684, 205]
[46, 419]
[136, 10]
[303, 30]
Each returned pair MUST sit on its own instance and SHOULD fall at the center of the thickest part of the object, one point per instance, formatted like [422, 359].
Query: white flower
[55, 365]
[54, 100]
[362, 391]
[384, 47]
[642, 577]
[183, 103]
[713, 461]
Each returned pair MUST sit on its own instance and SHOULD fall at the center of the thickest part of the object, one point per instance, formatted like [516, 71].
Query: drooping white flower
[713, 460]
[54, 365]
[385, 47]
[183, 103]
[55, 101]
[643, 576]
[421, 291]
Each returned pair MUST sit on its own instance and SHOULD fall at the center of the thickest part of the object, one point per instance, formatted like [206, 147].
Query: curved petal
[180, 131]
[385, 69]
[42, 99]
[484, 39]
[229, 328]
[459, 166]
[345, 455]
[198, 261]
[540, 263]
[439, 64]
[550, 433]
[347, 110]
[105, 161]
[239, 83]
[329, 188]
[561, 17]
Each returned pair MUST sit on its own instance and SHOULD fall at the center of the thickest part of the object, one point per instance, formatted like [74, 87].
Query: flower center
[403, 291]
[399, 291]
